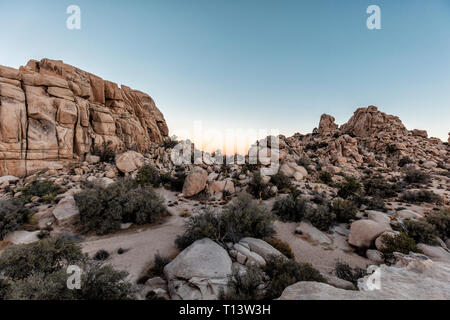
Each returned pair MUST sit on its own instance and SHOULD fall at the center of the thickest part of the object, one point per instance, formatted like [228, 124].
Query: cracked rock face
[52, 114]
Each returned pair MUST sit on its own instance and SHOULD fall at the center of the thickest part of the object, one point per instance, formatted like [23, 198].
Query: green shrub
[399, 243]
[347, 273]
[421, 231]
[170, 143]
[258, 188]
[157, 270]
[349, 187]
[326, 177]
[441, 222]
[103, 209]
[246, 217]
[244, 285]
[243, 217]
[12, 216]
[148, 176]
[101, 255]
[204, 225]
[44, 189]
[419, 196]
[281, 181]
[378, 186]
[345, 210]
[403, 161]
[321, 217]
[45, 256]
[417, 176]
[281, 246]
[291, 208]
[173, 183]
[38, 271]
[285, 272]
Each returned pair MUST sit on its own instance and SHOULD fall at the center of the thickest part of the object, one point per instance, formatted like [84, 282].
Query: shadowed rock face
[52, 114]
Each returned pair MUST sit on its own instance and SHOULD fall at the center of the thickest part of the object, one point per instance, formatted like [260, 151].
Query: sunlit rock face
[52, 114]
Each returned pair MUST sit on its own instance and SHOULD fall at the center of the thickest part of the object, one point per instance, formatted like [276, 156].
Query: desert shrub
[12, 215]
[4, 289]
[246, 217]
[321, 217]
[173, 183]
[243, 217]
[244, 285]
[44, 189]
[257, 188]
[304, 161]
[281, 246]
[281, 181]
[421, 231]
[45, 256]
[157, 270]
[345, 272]
[106, 152]
[378, 186]
[441, 222]
[404, 161]
[103, 209]
[398, 243]
[345, 210]
[349, 187]
[326, 177]
[291, 208]
[419, 196]
[37, 271]
[283, 272]
[416, 176]
[204, 225]
[148, 176]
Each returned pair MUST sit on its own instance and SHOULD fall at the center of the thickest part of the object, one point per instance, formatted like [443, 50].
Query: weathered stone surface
[69, 113]
[312, 233]
[129, 161]
[66, 209]
[364, 232]
[327, 125]
[260, 247]
[199, 271]
[395, 283]
[195, 182]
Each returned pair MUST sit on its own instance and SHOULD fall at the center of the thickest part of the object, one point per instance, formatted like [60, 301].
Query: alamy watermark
[73, 22]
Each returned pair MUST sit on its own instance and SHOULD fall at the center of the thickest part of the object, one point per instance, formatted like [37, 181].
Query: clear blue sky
[251, 63]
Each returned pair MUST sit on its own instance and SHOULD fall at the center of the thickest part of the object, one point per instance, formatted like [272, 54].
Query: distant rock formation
[52, 114]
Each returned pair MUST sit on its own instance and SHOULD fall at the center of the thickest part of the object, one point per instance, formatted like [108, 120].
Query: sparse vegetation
[349, 187]
[291, 208]
[281, 181]
[404, 161]
[421, 231]
[148, 176]
[345, 272]
[157, 270]
[173, 183]
[13, 215]
[378, 186]
[399, 243]
[419, 196]
[37, 271]
[321, 217]
[103, 209]
[283, 272]
[243, 217]
[281, 246]
[257, 188]
[417, 176]
[44, 189]
[326, 177]
[246, 285]
[345, 210]
[441, 222]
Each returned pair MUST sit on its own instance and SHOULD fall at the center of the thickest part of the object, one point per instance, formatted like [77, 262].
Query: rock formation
[52, 114]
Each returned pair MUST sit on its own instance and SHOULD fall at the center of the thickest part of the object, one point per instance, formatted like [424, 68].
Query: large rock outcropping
[52, 113]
